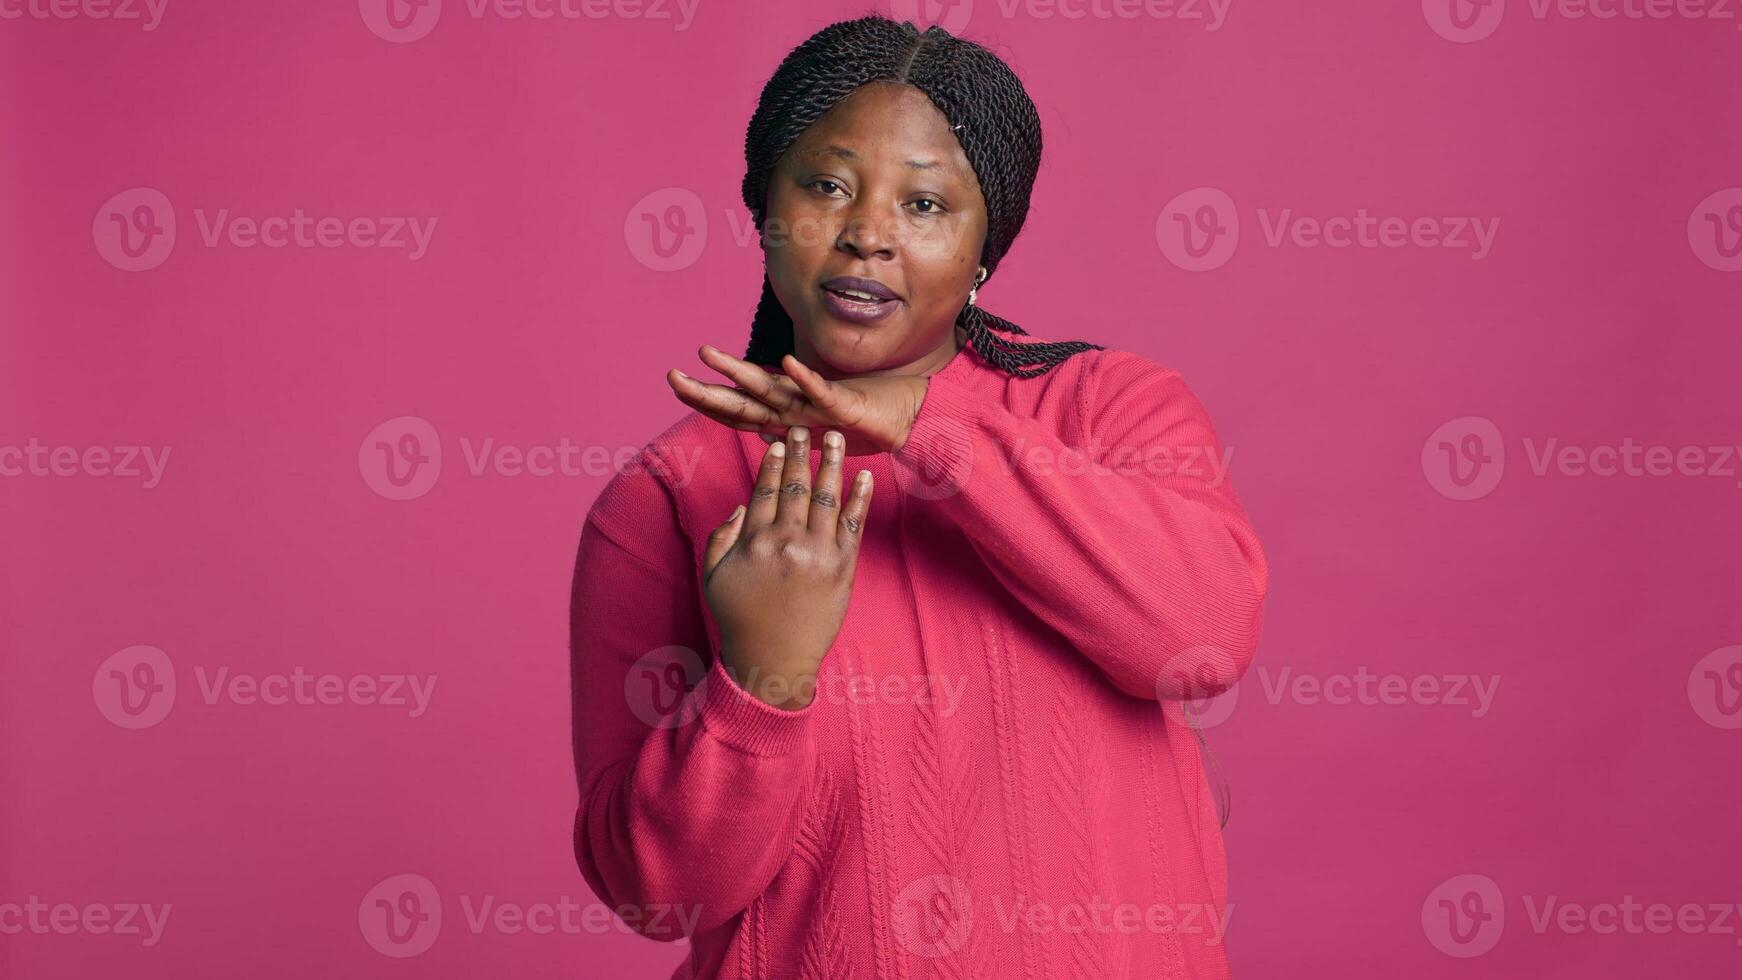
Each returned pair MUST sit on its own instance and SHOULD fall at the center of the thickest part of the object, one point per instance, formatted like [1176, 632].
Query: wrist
[788, 689]
[921, 386]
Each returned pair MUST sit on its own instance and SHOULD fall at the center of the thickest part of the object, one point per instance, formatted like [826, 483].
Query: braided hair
[992, 117]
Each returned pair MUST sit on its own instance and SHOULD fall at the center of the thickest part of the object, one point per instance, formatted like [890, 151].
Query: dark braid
[993, 119]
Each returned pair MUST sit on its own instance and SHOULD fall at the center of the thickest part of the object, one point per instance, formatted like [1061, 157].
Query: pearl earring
[978, 279]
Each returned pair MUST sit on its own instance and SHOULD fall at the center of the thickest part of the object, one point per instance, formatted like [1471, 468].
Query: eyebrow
[840, 151]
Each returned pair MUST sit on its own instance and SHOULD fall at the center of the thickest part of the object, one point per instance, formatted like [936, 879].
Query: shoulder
[648, 491]
[1093, 377]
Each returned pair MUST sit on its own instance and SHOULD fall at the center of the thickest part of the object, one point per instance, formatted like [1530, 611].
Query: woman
[907, 723]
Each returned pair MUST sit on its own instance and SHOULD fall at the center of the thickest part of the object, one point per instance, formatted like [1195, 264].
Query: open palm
[875, 414]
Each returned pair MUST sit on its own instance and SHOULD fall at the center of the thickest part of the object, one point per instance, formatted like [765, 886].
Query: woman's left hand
[875, 413]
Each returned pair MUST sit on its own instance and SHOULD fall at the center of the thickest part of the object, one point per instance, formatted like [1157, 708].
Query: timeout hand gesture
[875, 414]
[778, 573]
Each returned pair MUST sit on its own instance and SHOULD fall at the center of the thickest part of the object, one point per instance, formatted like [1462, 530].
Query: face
[879, 190]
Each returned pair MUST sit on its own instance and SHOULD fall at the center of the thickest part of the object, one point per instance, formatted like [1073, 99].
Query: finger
[705, 397]
[765, 495]
[730, 422]
[853, 513]
[822, 392]
[776, 392]
[825, 511]
[721, 540]
[795, 480]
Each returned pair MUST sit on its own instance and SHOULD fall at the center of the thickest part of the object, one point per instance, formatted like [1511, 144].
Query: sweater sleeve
[689, 802]
[1134, 547]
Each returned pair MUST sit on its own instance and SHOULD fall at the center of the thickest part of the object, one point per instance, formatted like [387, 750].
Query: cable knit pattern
[944, 804]
[1007, 726]
[1045, 559]
[820, 840]
[1158, 856]
[1078, 790]
[874, 807]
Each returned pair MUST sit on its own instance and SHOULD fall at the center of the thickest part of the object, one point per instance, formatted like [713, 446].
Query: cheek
[798, 237]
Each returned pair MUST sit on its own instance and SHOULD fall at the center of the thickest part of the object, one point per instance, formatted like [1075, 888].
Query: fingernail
[778, 449]
[738, 513]
[833, 438]
[681, 374]
[800, 433]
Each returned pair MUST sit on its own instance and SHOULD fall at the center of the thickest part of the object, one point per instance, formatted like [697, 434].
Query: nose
[865, 236]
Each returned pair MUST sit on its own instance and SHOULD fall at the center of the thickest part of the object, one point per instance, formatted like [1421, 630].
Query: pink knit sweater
[985, 784]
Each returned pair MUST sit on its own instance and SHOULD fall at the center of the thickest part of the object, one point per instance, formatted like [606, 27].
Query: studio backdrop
[325, 322]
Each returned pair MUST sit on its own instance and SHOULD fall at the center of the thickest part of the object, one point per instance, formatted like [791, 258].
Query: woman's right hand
[779, 572]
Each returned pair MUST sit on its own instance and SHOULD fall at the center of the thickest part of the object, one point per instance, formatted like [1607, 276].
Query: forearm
[700, 819]
[1136, 551]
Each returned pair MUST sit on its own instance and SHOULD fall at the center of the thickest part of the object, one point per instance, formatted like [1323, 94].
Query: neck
[923, 366]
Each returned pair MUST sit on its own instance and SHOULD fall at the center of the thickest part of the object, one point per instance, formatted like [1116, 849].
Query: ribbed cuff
[747, 723]
[939, 444]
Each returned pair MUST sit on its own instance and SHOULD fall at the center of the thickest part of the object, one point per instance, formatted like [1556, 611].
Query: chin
[853, 350]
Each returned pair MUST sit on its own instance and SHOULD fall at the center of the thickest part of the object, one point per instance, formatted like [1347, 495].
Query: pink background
[542, 311]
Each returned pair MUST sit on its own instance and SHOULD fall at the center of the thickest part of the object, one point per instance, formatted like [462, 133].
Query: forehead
[885, 124]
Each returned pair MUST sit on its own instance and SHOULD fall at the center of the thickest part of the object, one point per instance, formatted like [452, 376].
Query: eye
[820, 181]
[937, 207]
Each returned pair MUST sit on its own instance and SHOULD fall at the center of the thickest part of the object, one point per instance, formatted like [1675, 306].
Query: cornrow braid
[987, 108]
